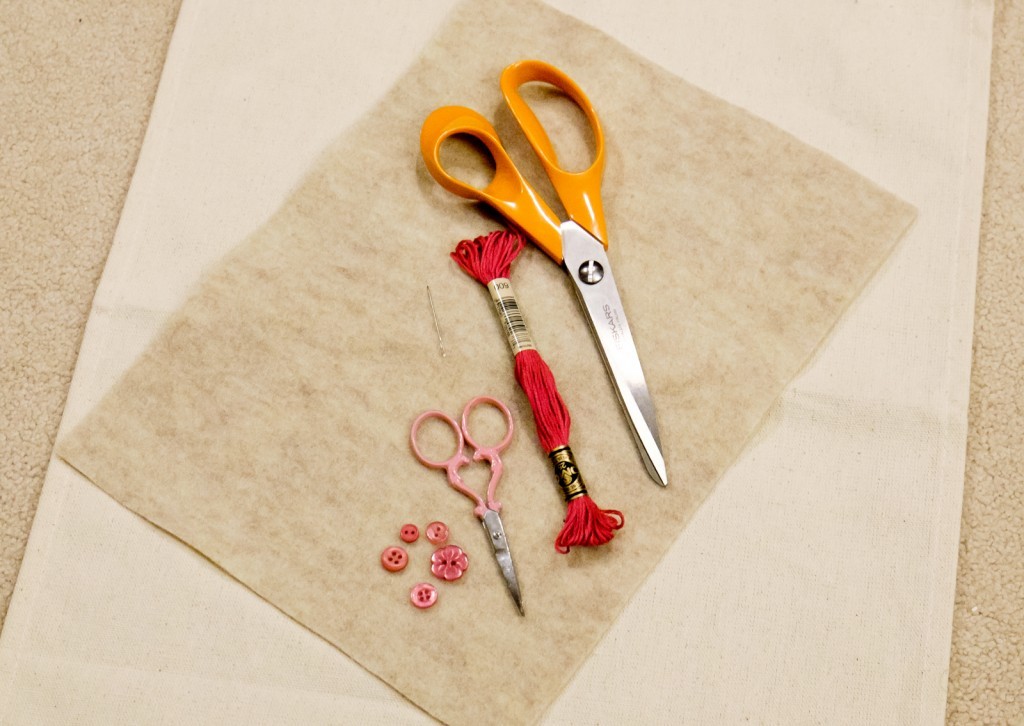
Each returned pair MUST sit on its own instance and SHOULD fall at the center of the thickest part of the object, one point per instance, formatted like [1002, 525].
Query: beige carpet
[986, 670]
[76, 85]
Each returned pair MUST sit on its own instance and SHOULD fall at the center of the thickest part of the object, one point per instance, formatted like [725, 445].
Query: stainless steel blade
[496, 534]
[587, 263]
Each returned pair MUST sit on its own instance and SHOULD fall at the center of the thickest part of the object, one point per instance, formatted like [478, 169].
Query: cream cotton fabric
[583, 447]
[267, 425]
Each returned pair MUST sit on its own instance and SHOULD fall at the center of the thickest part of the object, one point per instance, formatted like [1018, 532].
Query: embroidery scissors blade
[486, 511]
[496, 534]
[578, 245]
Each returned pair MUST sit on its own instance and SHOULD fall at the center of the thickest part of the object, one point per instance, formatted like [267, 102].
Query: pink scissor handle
[492, 454]
[451, 465]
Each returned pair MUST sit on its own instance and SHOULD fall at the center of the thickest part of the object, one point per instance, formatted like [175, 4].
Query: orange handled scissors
[578, 245]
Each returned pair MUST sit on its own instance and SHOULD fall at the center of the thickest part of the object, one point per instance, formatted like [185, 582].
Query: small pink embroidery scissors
[486, 511]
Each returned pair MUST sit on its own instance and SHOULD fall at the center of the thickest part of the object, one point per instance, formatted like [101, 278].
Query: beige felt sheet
[266, 426]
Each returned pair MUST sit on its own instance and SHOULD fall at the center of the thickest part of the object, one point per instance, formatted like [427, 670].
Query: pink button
[394, 559]
[410, 533]
[449, 563]
[437, 532]
[423, 595]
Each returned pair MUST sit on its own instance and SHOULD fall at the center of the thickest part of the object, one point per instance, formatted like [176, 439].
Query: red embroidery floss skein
[488, 260]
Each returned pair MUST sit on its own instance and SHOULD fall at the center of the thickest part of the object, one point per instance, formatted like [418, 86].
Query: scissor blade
[587, 264]
[496, 534]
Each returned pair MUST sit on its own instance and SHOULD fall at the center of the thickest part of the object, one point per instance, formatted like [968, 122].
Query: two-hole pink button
[394, 559]
[437, 533]
[423, 595]
[409, 533]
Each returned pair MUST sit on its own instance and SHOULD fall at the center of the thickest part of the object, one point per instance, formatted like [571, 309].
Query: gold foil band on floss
[511, 317]
[567, 473]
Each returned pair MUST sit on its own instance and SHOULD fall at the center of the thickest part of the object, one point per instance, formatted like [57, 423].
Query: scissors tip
[655, 468]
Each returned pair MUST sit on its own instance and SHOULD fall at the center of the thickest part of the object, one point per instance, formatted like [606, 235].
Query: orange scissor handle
[507, 192]
[580, 192]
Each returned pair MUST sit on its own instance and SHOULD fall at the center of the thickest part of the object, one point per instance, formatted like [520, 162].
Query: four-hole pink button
[423, 595]
[394, 559]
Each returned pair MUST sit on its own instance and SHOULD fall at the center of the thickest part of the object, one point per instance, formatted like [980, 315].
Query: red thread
[490, 257]
[587, 524]
[549, 412]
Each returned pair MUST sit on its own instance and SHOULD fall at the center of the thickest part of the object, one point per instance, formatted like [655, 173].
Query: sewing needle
[437, 327]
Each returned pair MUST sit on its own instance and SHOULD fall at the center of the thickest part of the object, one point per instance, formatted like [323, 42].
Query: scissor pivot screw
[591, 272]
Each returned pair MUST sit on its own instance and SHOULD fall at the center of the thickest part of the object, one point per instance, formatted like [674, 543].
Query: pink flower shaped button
[449, 563]
[423, 595]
